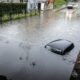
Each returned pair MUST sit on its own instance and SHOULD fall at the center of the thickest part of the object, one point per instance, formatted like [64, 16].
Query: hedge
[12, 8]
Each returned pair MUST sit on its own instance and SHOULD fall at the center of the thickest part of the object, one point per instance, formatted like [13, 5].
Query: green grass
[5, 18]
[58, 3]
[18, 16]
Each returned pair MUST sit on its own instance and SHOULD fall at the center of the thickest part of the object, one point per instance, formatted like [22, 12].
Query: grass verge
[59, 3]
[18, 16]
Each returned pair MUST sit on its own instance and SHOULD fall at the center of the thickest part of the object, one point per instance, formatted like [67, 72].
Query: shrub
[12, 8]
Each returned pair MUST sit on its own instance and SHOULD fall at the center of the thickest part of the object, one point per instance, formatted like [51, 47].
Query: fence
[11, 9]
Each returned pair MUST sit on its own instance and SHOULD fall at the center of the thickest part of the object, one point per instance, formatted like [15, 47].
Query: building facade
[34, 4]
[40, 4]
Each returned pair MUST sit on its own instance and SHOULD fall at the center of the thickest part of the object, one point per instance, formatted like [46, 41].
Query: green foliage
[13, 11]
[58, 3]
[12, 8]
[10, 11]
[18, 16]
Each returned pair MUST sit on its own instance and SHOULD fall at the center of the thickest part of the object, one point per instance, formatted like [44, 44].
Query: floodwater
[22, 52]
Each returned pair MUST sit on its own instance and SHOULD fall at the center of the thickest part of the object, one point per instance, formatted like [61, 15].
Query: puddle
[33, 64]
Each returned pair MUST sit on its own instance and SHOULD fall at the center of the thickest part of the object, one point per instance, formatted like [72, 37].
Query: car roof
[60, 44]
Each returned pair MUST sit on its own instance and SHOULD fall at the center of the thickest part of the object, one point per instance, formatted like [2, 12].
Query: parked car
[70, 6]
[60, 46]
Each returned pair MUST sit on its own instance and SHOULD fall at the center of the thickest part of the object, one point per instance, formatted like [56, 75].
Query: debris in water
[64, 58]
[20, 58]
[33, 63]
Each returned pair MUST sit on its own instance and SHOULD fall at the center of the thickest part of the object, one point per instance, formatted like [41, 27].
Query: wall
[34, 4]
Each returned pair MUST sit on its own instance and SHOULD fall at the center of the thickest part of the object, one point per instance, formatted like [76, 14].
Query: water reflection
[69, 14]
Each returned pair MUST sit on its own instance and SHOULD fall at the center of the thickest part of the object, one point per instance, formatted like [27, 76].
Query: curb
[59, 9]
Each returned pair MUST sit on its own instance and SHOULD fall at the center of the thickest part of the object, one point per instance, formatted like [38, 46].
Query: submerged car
[60, 46]
[70, 7]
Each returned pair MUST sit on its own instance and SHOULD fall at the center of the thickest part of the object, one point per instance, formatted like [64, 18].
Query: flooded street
[22, 52]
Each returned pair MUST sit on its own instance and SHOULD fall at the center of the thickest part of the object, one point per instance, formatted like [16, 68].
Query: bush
[12, 8]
